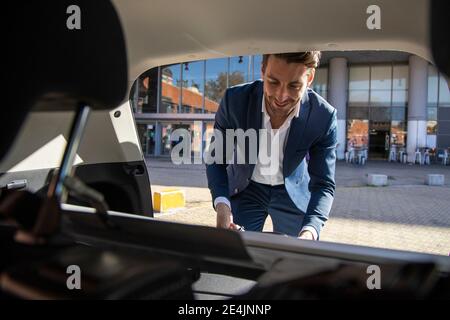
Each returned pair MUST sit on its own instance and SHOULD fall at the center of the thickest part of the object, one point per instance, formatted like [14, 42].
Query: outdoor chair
[426, 157]
[402, 156]
[362, 157]
[444, 155]
[392, 155]
[418, 157]
[350, 156]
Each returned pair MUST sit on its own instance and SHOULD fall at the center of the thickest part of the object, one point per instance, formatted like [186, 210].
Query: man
[297, 195]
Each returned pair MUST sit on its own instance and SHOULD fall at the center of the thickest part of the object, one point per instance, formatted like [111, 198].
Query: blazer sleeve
[216, 171]
[321, 168]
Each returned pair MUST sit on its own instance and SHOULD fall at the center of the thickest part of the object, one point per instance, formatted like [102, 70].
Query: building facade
[385, 101]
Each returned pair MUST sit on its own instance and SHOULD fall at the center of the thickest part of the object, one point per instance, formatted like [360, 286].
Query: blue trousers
[252, 206]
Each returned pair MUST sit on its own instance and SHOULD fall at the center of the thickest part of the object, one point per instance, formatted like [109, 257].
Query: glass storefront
[377, 103]
[438, 97]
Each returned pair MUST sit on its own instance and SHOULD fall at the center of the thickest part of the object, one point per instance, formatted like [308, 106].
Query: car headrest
[60, 53]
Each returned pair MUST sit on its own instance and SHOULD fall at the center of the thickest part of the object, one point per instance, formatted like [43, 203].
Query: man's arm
[216, 172]
[321, 168]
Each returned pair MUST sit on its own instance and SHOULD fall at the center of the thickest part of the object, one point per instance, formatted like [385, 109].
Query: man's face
[284, 84]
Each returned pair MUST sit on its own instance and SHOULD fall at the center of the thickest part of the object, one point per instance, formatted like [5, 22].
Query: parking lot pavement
[405, 215]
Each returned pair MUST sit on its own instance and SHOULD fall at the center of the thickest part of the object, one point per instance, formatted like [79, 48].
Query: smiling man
[295, 122]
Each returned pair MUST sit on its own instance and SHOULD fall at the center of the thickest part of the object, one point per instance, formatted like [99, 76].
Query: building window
[398, 114]
[380, 114]
[380, 85]
[431, 127]
[240, 71]
[146, 134]
[438, 89]
[256, 67]
[432, 106]
[193, 87]
[400, 75]
[438, 97]
[320, 83]
[171, 88]
[144, 92]
[168, 106]
[216, 82]
[361, 113]
[357, 134]
[359, 77]
[432, 113]
[398, 134]
[433, 85]
[444, 92]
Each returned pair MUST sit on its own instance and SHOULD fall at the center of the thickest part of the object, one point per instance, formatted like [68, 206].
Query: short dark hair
[310, 59]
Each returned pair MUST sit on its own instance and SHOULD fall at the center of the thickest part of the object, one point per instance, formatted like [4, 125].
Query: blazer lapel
[296, 136]
[254, 111]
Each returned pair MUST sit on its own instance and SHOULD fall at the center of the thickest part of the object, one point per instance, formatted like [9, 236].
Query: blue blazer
[310, 185]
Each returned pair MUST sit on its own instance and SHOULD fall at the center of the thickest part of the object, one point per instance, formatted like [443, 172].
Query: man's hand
[224, 217]
[306, 235]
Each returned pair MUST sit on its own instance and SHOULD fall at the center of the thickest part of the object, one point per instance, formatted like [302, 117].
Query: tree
[195, 85]
[215, 89]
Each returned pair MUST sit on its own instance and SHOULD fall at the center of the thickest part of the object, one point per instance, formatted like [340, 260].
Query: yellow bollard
[168, 199]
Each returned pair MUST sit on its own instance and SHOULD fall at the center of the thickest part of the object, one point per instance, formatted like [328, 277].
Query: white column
[337, 96]
[417, 105]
